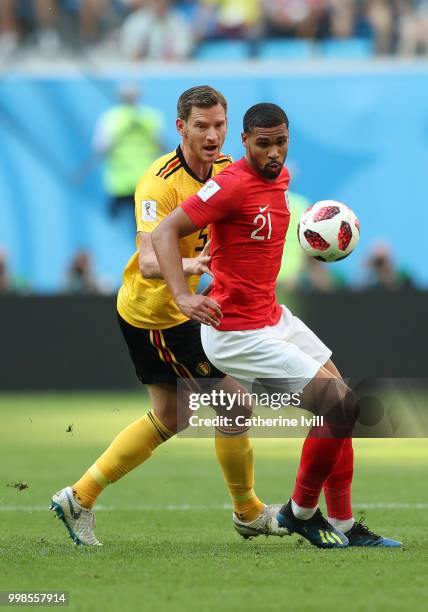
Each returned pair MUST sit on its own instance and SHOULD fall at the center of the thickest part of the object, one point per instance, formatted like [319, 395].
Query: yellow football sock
[128, 450]
[235, 455]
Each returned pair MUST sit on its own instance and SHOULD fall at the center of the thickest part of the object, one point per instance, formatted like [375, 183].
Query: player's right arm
[154, 201]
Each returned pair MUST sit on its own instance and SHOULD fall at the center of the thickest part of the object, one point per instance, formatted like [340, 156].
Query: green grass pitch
[166, 528]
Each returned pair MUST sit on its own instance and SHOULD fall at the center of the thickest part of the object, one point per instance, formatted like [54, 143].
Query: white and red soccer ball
[328, 231]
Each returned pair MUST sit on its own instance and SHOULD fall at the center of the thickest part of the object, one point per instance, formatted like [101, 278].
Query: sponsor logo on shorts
[203, 368]
[208, 190]
[149, 208]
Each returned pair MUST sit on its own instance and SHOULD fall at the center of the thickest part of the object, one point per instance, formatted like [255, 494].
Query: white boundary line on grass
[188, 508]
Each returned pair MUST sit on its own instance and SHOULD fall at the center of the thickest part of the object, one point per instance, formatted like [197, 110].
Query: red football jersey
[248, 217]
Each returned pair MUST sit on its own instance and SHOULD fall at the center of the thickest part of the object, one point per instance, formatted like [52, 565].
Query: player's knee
[342, 414]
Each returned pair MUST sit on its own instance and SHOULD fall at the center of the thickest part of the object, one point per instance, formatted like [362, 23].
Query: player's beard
[271, 173]
[266, 171]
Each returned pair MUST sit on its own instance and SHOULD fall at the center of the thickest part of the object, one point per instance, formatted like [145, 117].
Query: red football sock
[319, 456]
[337, 487]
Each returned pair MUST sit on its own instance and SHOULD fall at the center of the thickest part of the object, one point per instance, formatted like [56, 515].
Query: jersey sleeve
[154, 200]
[216, 200]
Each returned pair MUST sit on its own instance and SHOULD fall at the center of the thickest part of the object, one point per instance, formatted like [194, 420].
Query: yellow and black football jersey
[146, 302]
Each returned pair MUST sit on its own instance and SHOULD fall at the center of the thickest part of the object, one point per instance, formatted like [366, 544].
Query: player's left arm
[165, 240]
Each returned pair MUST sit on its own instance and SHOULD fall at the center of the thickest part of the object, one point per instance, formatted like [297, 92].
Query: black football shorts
[165, 355]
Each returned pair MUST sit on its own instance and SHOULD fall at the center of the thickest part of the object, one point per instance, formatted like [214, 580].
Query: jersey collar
[189, 170]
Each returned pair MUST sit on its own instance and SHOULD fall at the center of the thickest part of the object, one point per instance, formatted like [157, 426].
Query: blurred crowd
[380, 272]
[175, 29]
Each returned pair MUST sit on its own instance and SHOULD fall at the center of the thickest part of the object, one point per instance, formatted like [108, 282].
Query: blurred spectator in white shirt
[342, 17]
[295, 18]
[413, 27]
[381, 16]
[156, 31]
[48, 37]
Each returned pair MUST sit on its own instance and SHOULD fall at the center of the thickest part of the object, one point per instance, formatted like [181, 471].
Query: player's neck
[199, 168]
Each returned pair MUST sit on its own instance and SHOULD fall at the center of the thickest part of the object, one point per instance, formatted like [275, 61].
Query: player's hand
[200, 308]
[202, 265]
[206, 250]
[202, 262]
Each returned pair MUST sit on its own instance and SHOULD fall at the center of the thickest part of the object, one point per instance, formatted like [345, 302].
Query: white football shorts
[288, 351]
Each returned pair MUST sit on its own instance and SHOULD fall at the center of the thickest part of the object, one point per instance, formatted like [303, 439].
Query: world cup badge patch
[149, 208]
[203, 368]
[208, 190]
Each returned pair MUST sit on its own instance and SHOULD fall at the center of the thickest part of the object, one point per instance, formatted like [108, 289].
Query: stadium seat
[286, 49]
[218, 50]
[349, 48]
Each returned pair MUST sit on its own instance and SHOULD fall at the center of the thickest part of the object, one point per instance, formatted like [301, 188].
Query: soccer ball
[328, 231]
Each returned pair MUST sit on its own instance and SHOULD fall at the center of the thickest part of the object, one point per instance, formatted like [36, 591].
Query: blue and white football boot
[79, 521]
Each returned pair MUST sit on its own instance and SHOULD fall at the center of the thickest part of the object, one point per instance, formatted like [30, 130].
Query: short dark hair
[264, 115]
[201, 96]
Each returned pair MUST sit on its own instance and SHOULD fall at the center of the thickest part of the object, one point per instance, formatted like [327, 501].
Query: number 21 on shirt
[263, 221]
